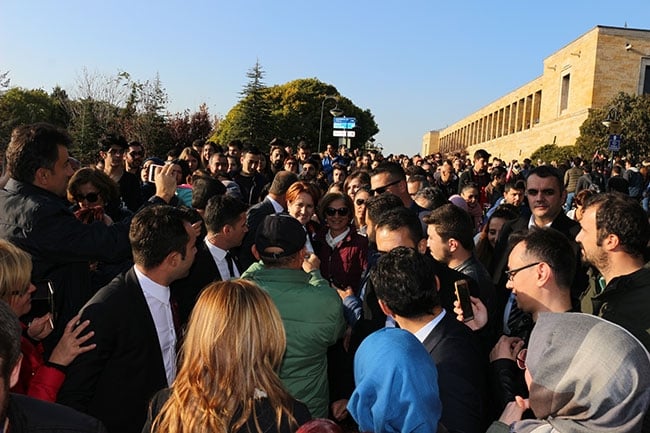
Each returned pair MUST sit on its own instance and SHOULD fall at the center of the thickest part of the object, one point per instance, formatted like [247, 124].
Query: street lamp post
[336, 111]
[612, 123]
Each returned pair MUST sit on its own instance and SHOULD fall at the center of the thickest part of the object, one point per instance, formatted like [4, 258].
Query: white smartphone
[153, 169]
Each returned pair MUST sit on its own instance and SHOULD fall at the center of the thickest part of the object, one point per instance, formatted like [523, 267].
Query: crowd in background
[233, 288]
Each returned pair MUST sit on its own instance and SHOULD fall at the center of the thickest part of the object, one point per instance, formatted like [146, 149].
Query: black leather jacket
[61, 246]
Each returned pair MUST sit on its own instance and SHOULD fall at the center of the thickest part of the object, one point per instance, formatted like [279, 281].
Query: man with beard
[134, 158]
[277, 155]
[614, 236]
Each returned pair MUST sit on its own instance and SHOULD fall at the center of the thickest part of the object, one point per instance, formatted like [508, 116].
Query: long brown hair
[233, 348]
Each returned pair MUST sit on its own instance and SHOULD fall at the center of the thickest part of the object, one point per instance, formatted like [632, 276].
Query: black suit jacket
[28, 414]
[254, 218]
[461, 375]
[186, 291]
[115, 381]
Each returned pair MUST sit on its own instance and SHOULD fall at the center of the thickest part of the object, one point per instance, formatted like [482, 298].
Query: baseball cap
[281, 232]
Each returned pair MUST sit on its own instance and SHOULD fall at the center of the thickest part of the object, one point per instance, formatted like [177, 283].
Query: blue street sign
[345, 122]
[614, 143]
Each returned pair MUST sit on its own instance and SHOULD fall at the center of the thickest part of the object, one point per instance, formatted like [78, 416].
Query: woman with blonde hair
[37, 378]
[227, 381]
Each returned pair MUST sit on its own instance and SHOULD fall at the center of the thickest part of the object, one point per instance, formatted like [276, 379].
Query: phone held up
[462, 294]
[42, 300]
[153, 169]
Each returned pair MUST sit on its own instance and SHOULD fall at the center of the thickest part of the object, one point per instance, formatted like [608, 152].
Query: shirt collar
[424, 331]
[531, 223]
[276, 206]
[152, 288]
[216, 252]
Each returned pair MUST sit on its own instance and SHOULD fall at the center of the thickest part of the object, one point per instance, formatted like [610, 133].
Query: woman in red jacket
[38, 378]
[342, 251]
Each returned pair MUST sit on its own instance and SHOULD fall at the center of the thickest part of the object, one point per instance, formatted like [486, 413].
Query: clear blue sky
[417, 65]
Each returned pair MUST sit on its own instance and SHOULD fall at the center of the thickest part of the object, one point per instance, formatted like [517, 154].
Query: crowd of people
[238, 289]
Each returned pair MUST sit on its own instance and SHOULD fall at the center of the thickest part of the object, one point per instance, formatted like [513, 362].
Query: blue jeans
[569, 201]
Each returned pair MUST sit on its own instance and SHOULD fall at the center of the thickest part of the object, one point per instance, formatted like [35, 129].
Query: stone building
[587, 73]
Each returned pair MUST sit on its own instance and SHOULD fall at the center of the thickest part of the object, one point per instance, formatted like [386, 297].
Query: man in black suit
[546, 196]
[225, 220]
[275, 202]
[407, 285]
[134, 325]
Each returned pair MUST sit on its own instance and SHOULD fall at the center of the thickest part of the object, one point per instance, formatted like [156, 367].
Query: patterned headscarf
[588, 375]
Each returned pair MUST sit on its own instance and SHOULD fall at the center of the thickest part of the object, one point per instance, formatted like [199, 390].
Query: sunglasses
[136, 153]
[521, 359]
[91, 197]
[342, 211]
[360, 201]
[383, 189]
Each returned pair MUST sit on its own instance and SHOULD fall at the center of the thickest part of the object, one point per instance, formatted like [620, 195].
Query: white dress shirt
[157, 298]
[424, 331]
[277, 207]
[219, 257]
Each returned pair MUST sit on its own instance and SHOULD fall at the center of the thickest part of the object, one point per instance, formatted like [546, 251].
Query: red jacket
[344, 264]
[36, 379]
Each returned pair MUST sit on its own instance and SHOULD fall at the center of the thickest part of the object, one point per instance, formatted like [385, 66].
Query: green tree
[634, 118]
[553, 152]
[89, 120]
[254, 125]
[144, 118]
[21, 106]
[296, 108]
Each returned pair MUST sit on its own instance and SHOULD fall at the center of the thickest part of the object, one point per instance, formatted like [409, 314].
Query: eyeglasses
[511, 273]
[342, 211]
[383, 189]
[91, 197]
[114, 151]
[547, 192]
[360, 202]
[521, 359]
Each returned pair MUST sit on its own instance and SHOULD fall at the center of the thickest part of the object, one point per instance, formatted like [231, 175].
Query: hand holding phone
[153, 169]
[462, 294]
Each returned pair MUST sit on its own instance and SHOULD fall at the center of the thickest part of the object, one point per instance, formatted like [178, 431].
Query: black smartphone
[42, 299]
[462, 294]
